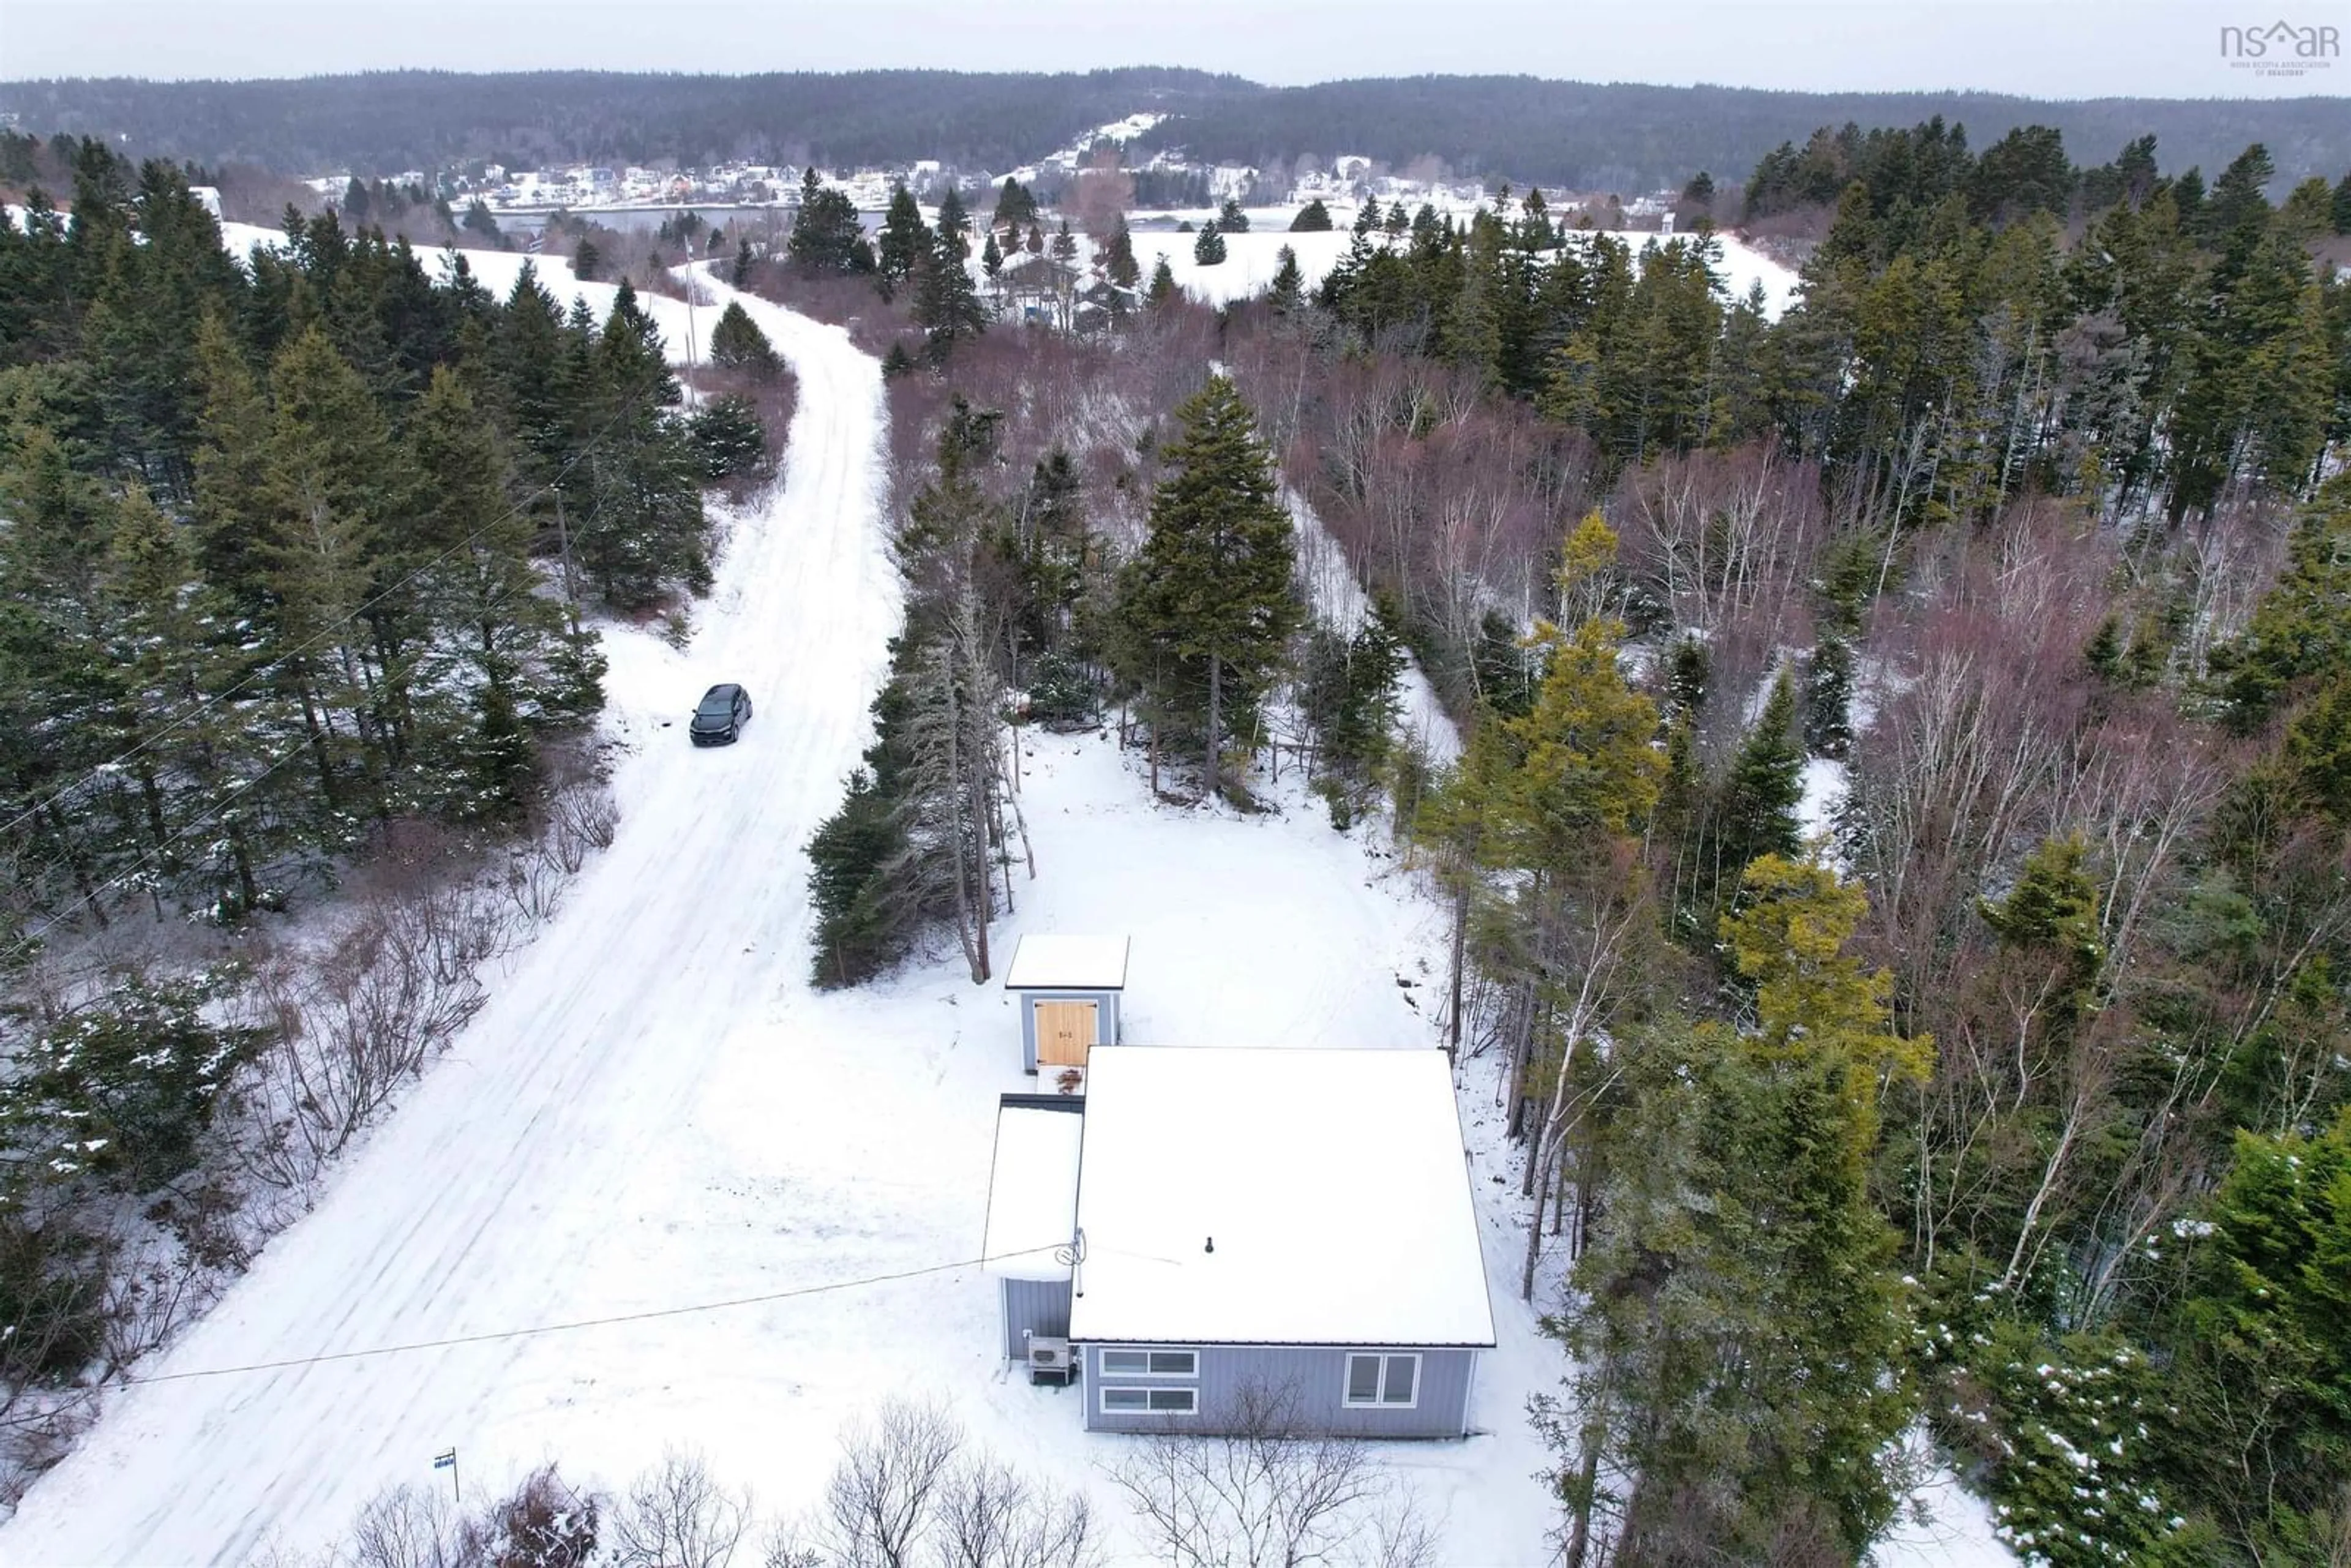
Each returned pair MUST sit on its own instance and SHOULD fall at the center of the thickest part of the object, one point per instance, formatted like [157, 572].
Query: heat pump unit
[1050, 1360]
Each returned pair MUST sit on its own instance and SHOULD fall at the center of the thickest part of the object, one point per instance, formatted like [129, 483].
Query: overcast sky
[2046, 48]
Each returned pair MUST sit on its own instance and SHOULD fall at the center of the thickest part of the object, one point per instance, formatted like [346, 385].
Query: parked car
[726, 708]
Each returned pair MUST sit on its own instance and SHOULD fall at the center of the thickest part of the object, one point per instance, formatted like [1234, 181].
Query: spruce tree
[903, 242]
[946, 307]
[1231, 219]
[1163, 284]
[954, 224]
[1207, 609]
[1120, 265]
[737, 344]
[1208, 249]
[991, 259]
[1757, 814]
[1065, 244]
[1312, 218]
[1289, 288]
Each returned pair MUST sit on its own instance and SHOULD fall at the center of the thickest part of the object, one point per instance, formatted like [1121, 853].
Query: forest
[300, 555]
[2013, 1099]
[1615, 136]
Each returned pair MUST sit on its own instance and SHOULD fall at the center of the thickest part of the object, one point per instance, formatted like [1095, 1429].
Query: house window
[1155, 1401]
[1151, 1364]
[1390, 1382]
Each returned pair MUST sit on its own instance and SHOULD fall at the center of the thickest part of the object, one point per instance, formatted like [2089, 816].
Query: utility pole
[449, 1461]
[563, 540]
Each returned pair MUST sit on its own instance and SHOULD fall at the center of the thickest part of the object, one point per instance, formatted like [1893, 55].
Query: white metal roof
[1032, 1193]
[1333, 1183]
[1045, 963]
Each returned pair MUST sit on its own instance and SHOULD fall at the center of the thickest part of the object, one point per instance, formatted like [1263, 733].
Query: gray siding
[1313, 1377]
[1106, 1023]
[1038, 1306]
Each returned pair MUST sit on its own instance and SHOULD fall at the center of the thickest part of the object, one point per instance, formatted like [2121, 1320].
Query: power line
[498, 1335]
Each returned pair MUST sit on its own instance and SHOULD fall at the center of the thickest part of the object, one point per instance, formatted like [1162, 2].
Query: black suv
[725, 709]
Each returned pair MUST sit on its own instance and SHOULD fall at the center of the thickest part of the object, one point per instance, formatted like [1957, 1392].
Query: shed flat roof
[1048, 963]
[1333, 1181]
[1032, 1192]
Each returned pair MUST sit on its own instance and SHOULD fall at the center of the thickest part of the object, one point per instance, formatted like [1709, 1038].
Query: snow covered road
[533, 1176]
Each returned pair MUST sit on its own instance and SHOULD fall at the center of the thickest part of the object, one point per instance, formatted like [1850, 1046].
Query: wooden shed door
[1065, 1032]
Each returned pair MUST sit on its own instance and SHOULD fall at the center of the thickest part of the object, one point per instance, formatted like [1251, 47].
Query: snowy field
[655, 1114]
[1251, 257]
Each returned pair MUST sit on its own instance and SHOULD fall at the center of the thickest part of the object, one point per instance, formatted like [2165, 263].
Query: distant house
[1246, 1227]
[1068, 990]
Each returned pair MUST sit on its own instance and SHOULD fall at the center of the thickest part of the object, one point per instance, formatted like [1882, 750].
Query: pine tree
[991, 259]
[954, 224]
[826, 237]
[587, 262]
[739, 275]
[1015, 209]
[1035, 244]
[1230, 218]
[946, 307]
[1121, 265]
[1757, 812]
[1065, 244]
[1163, 284]
[1289, 288]
[737, 344]
[1209, 248]
[1207, 609]
[1312, 218]
[904, 240]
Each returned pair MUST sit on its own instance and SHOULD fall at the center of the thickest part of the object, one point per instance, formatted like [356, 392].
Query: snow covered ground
[1251, 257]
[655, 1113]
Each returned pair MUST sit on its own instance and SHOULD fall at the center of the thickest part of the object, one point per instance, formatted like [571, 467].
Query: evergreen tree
[1207, 609]
[1208, 250]
[739, 275]
[1035, 244]
[904, 240]
[1230, 218]
[1121, 265]
[1065, 244]
[737, 344]
[1163, 284]
[1312, 218]
[1757, 815]
[954, 224]
[991, 259]
[826, 237]
[947, 306]
[1288, 290]
[1015, 209]
[587, 262]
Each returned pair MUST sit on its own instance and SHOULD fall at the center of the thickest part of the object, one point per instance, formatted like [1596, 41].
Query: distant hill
[1616, 135]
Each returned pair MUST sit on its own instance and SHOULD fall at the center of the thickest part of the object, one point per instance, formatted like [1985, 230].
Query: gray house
[1068, 990]
[1289, 1229]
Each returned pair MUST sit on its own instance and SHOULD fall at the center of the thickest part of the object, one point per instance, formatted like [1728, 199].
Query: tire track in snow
[493, 1197]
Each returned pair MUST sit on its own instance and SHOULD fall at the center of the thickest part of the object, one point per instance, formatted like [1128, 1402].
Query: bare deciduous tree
[675, 1516]
[878, 1504]
[1274, 1492]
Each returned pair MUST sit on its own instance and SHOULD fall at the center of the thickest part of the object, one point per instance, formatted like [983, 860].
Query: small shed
[1068, 990]
[1033, 1215]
